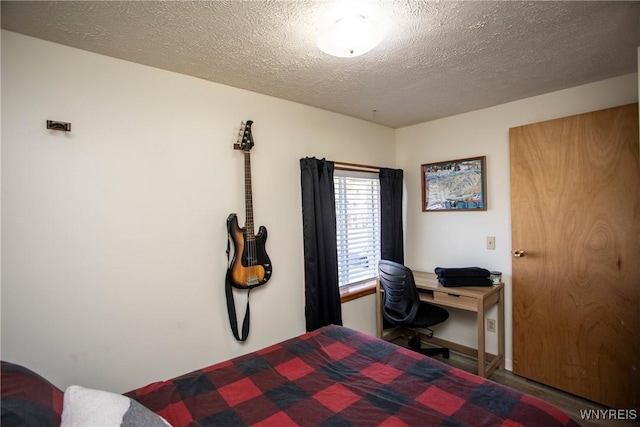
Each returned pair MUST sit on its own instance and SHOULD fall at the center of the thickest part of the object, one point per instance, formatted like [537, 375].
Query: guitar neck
[248, 198]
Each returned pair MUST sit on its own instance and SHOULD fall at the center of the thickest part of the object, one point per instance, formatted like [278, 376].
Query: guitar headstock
[245, 140]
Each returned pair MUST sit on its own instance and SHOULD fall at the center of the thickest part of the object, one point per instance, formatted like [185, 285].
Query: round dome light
[350, 36]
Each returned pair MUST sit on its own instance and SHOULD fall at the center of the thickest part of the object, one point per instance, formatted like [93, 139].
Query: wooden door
[575, 207]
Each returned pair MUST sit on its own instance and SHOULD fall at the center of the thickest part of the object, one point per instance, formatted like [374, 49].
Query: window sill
[359, 290]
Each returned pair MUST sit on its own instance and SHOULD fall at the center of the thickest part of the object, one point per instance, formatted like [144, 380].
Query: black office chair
[401, 305]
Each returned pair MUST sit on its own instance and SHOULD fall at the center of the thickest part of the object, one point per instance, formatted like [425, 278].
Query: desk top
[429, 281]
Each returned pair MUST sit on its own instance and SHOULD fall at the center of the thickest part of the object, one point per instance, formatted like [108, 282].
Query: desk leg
[501, 328]
[481, 344]
[378, 311]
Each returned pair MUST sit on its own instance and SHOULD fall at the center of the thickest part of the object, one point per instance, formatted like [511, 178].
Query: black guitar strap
[231, 308]
[231, 305]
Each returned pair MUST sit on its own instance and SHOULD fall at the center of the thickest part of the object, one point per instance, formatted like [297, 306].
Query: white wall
[113, 235]
[360, 314]
[458, 239]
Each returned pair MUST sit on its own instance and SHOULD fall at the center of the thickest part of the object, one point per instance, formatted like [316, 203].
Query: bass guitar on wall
[250, 265]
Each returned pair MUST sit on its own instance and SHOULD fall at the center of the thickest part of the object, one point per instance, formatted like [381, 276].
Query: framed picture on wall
[454, 185]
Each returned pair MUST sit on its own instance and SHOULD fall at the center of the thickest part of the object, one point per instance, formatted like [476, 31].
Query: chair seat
[429, 315]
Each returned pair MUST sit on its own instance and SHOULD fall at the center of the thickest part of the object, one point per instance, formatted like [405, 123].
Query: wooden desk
[477, 299]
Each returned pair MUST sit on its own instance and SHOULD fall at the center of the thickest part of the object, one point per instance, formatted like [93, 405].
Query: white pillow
[85, 407]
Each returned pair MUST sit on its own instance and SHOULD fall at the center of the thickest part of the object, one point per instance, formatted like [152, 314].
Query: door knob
[519, 253]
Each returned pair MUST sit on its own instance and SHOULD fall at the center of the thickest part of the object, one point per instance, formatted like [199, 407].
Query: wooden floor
[570, 404]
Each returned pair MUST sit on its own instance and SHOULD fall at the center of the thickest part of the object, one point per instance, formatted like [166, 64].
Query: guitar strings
[249, 238]
[252, 248]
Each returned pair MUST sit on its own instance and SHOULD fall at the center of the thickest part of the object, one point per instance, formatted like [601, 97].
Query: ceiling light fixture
[350, 36]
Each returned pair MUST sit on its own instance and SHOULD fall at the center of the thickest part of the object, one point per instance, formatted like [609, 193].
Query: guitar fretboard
[248, 198]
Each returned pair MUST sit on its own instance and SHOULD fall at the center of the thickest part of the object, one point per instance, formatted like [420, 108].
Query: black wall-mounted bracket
[56, 125]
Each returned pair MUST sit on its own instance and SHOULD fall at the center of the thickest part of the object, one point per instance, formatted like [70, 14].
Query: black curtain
[391, 237]
[322, 293]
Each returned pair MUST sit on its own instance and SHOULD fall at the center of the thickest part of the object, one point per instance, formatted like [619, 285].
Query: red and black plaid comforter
[337, 377]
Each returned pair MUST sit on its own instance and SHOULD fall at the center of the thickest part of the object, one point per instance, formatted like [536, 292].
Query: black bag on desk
[468, 276]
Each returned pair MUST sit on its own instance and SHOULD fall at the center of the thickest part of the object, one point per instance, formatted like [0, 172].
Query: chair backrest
[400, 298]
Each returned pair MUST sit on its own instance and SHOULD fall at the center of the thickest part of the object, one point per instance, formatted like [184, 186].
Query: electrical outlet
[491, 242]
[491, 325]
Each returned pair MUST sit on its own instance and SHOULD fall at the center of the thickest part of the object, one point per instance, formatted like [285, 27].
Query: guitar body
[250, 266]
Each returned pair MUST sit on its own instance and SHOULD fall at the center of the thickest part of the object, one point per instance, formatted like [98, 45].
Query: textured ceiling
[439, 58]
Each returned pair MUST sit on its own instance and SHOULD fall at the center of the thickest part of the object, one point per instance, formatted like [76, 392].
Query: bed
[333, 376]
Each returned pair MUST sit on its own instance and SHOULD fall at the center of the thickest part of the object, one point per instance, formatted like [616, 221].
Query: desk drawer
[456, 300]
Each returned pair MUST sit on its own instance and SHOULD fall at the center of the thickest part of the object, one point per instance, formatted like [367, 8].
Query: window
[357, 225]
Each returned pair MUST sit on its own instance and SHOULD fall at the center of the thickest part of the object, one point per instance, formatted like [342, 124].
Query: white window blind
[357, 225]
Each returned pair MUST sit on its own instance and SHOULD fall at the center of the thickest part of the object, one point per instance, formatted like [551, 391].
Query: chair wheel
[414, 343]
[445, 353]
